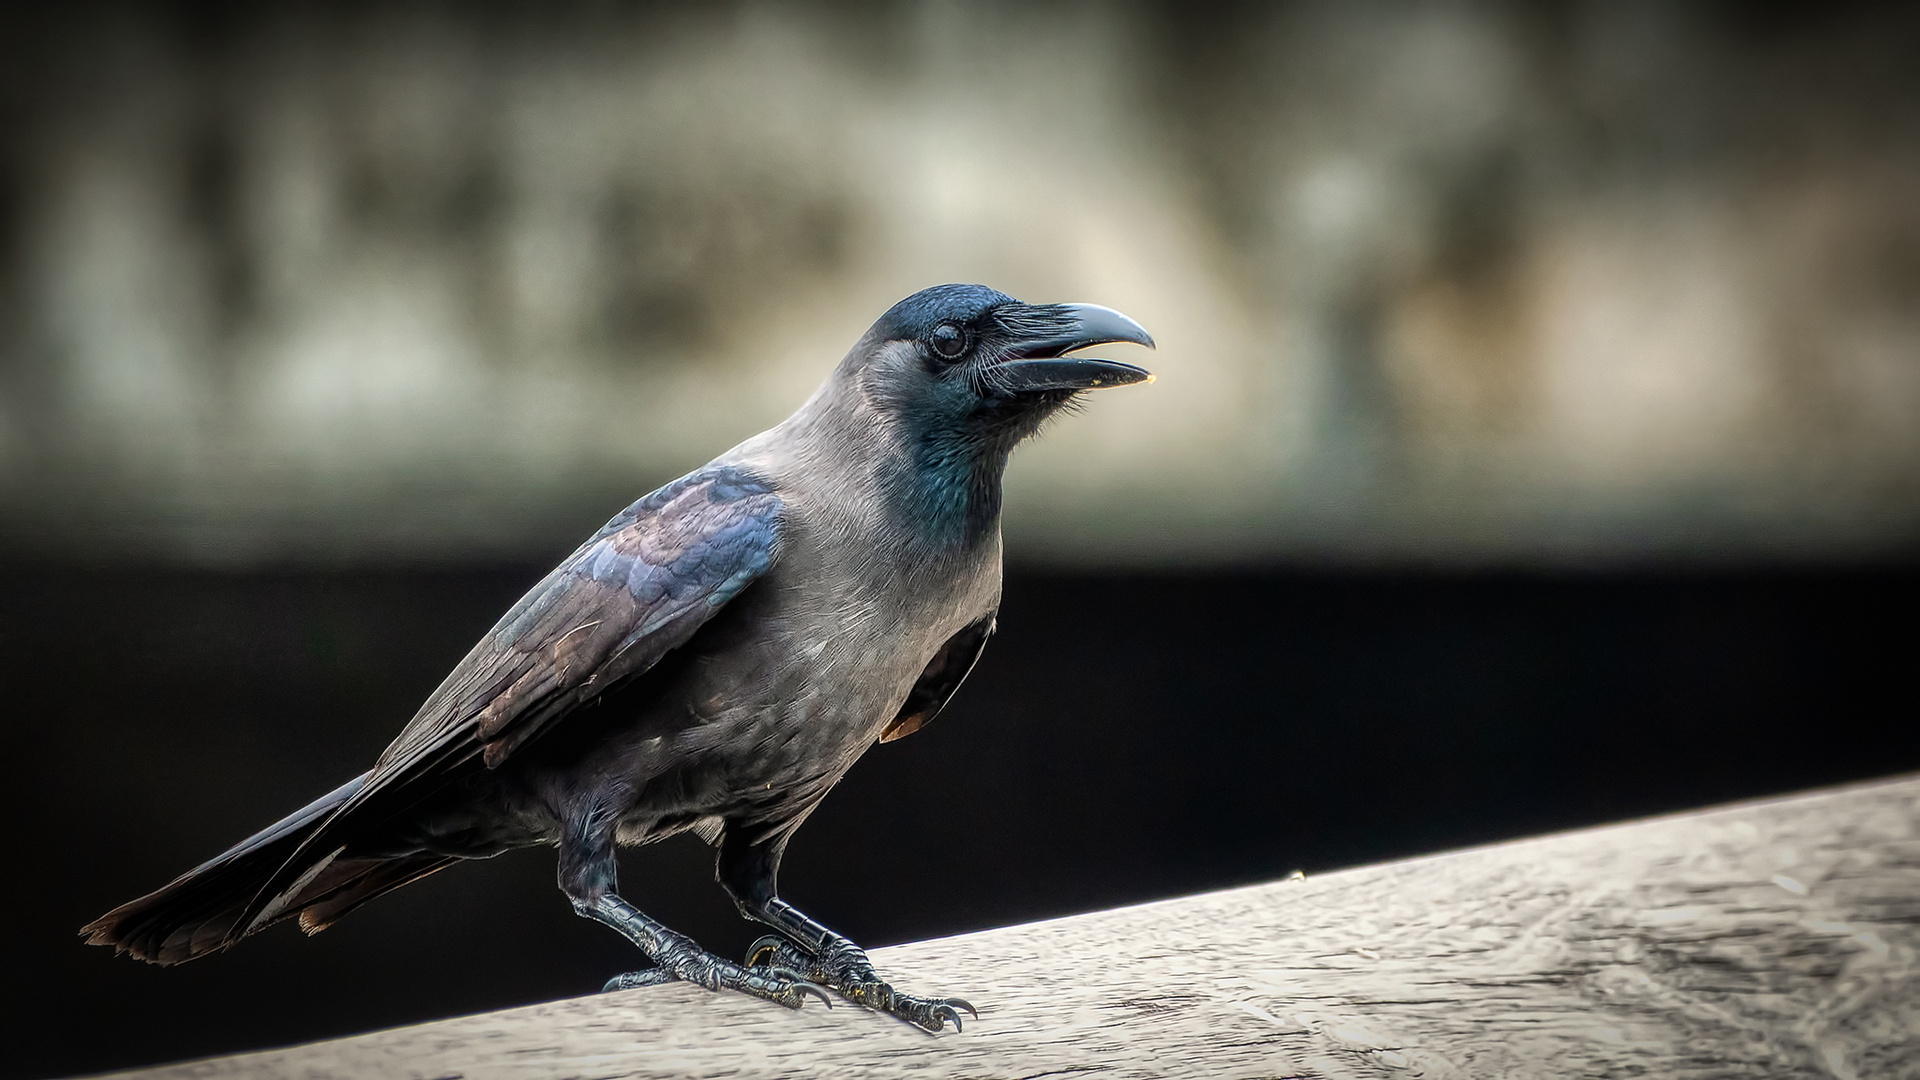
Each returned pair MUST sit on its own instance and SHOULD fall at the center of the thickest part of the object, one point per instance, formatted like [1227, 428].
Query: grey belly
[747, 729]
[754, 719]
[763, 761]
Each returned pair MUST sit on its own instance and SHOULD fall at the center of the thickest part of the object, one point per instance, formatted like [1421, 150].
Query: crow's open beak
[1040, 363]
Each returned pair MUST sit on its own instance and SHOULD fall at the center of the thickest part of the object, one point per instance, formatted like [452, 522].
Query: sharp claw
[943, 1013]
[963, 1003]
[765, 948]
[804, 987]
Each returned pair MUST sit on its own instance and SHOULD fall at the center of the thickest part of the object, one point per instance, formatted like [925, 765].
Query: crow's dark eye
[949, 340]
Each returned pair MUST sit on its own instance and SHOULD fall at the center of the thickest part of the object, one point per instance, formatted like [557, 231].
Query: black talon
[764, 948]
[815, 989]
[943, 1013]
[963, 1003]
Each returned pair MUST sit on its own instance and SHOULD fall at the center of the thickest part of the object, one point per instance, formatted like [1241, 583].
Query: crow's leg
[677, 957]
[748, 871]
[587, 876]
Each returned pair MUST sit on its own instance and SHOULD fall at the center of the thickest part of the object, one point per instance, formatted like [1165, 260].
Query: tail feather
[349, 883]
[194, 914]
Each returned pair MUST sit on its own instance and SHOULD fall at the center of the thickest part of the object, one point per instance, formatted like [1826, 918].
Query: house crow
[713, 659]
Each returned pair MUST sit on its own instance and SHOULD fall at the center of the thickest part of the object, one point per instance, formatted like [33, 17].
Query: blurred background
[1536, 440]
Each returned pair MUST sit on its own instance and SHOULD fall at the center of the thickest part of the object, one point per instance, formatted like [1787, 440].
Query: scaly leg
[588, 876]
[677, 957]
[811, 950]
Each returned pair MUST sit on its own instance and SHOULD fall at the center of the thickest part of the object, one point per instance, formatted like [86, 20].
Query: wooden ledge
[1768, 939]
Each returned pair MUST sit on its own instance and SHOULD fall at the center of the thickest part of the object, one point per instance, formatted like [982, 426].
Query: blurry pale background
[1440, 283]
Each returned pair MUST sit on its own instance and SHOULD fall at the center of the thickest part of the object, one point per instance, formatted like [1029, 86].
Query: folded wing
[634, 592]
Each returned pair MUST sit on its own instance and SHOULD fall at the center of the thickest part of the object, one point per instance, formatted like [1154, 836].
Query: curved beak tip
[1102, 325]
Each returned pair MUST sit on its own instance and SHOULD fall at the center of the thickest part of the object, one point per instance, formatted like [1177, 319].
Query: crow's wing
[945, 672]
[635, 591]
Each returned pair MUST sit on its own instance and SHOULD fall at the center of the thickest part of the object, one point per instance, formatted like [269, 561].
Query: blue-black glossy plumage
[915, 317]
[721, 534]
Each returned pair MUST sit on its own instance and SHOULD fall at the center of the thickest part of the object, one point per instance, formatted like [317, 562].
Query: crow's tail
[195, 913]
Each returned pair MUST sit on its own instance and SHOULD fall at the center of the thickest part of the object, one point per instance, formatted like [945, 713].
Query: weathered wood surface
[1774, 939]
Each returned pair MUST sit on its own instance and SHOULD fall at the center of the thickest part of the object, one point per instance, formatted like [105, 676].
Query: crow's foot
[634, 980]
[684, 961]
[848, 970]
[676, 957]
[782, 986]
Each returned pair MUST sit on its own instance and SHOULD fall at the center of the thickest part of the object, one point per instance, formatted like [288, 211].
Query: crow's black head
[919, 315]
[952, 377]
[968, 357]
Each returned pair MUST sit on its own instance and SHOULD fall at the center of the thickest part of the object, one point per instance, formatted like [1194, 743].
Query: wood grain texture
[1775, 939]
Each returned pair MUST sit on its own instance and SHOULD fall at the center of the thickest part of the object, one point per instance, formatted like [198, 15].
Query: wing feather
[639, 588]
[944, 673]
